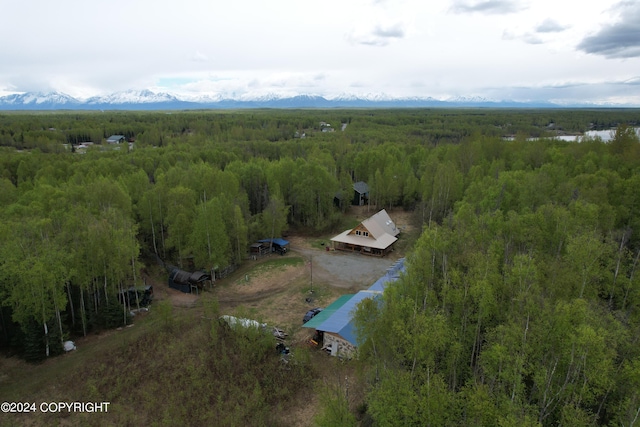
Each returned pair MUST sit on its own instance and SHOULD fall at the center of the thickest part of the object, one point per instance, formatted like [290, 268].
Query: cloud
[633, 81]
[528, 37]
[531, 39]
[550, 26]
[495, 7]
[379, 35]
[620, 39]
[572, 92]
[538, 35]
[199, 57]
[393, 32]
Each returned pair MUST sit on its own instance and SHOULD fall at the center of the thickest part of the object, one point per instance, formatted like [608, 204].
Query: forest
[521, 301]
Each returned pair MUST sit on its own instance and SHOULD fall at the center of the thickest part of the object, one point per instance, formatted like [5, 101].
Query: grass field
[175, 366]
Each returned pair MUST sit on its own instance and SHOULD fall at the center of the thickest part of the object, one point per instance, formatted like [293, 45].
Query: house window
[358, 233]
[365, 233]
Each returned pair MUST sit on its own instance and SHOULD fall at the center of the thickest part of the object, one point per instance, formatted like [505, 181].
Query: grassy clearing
[265, 267]
[277, 263]
[175, 366]
[191, 371]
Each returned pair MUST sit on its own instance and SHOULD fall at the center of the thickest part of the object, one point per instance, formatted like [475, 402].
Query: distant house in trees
[116, 139]
[360, 193]
[335, 323]
[326, 127]
[186, 282]
[373, 236]
[338, 200]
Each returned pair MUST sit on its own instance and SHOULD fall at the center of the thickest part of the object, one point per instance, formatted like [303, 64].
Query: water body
[604, 135]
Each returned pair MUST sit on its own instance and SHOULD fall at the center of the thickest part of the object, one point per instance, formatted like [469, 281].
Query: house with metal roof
[116, 139]
[360, 193]
[336, 321]
[373, 236]
[327, 312]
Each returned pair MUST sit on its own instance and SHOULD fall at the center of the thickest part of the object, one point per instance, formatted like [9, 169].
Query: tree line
[47, 131]
[521, 304]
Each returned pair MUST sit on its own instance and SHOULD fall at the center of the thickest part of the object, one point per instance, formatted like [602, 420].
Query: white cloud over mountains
[502, 49]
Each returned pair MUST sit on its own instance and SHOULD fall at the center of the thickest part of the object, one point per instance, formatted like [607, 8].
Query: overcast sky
[556, 50]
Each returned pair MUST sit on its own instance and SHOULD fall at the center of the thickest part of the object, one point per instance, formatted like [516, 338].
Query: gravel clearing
[345, 269]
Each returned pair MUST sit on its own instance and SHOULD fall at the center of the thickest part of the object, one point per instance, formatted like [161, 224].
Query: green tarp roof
[319, 318]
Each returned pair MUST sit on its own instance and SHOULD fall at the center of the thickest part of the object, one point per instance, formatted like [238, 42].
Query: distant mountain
[38, 101]
[149, 100]
[132, 97]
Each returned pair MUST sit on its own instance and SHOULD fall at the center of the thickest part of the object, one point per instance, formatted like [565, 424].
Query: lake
[605, 135]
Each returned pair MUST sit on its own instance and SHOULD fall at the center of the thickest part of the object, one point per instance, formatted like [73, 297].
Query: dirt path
[253, 289]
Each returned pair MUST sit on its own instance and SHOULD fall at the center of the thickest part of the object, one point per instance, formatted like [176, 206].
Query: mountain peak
[144, 96]
[43, 99]
[146, 99]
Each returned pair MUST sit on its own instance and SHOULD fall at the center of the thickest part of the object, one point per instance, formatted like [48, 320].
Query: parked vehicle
[311, 314]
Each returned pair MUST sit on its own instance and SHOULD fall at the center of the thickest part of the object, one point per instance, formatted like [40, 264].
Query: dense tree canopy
[521, 301]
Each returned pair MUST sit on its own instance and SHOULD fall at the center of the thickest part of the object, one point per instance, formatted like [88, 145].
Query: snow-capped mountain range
[149, 100]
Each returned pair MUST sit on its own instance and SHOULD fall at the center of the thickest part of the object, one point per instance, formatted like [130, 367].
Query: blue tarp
[278, 241]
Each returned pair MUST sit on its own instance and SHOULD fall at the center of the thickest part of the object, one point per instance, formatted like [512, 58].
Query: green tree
[181, 210]
[209, 240]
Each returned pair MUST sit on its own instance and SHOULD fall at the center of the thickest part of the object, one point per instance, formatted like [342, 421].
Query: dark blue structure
[277, 245]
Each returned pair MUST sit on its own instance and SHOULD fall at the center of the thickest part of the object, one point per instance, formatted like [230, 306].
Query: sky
[561, 51]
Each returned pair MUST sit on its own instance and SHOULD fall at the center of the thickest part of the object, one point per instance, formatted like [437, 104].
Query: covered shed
[259, 249]
[277, 245]
[339, 331]
[360, 193]
[116, 139]
[335, 322]
[185, 281]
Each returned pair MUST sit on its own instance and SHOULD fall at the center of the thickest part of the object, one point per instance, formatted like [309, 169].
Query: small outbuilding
[338, 201]
[186, 282]
[259, 249]
[277, 245]
[360, 193]
[116, 139]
